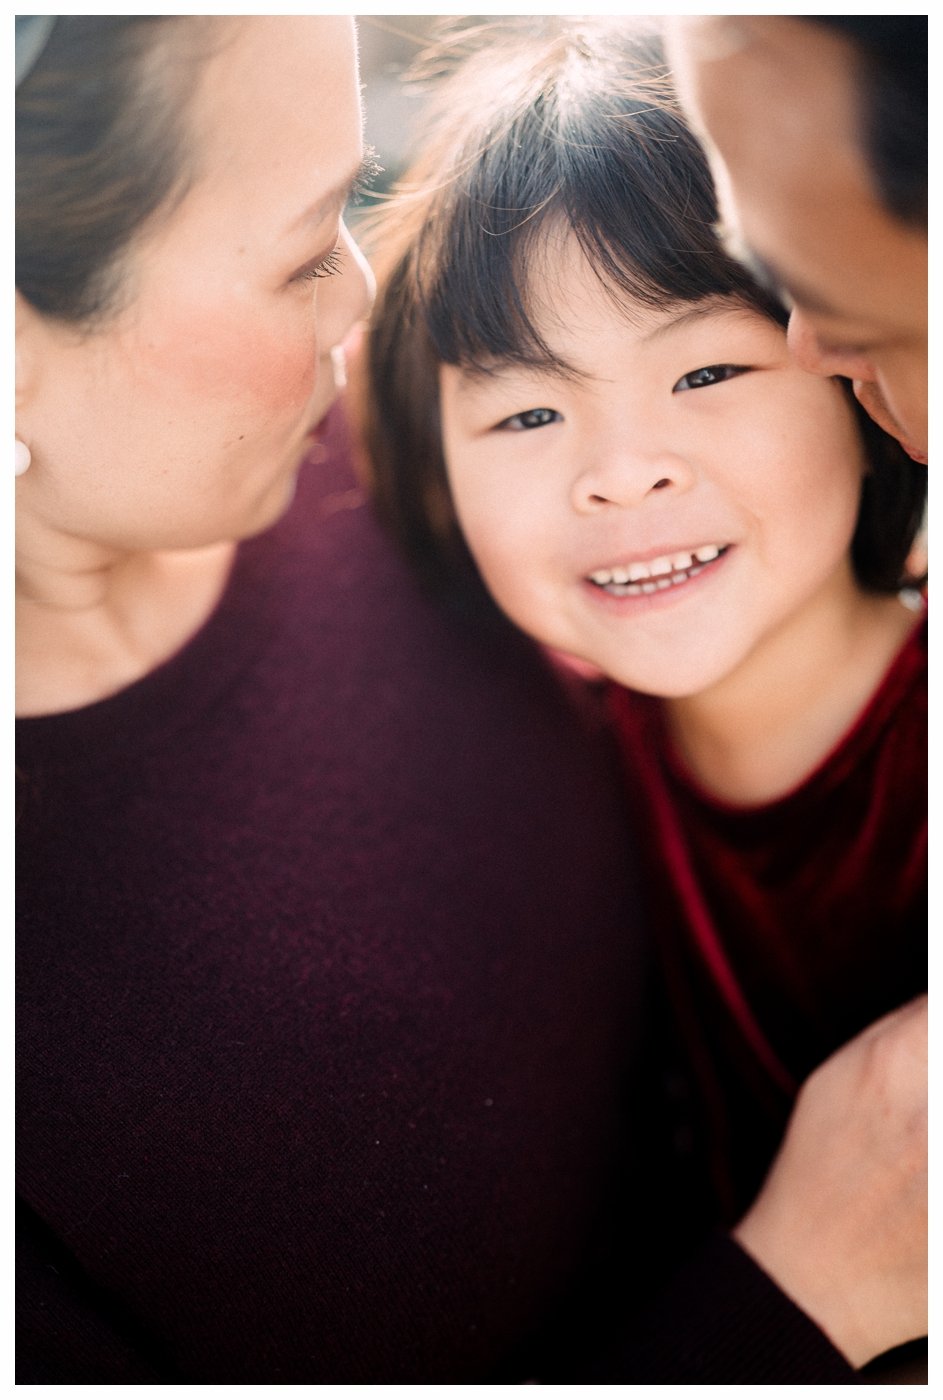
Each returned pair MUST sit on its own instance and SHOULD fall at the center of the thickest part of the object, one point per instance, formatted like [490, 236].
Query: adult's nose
[811, 353]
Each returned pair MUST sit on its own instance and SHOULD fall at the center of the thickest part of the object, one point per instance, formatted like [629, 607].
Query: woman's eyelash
[370, 168]
[327, 267]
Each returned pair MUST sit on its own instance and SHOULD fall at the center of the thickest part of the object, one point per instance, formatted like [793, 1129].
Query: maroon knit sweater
[785, 927]
[329, 1013]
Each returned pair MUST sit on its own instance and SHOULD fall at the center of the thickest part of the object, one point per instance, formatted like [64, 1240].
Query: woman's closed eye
[321, 266]
[709, 374]
[530, 418]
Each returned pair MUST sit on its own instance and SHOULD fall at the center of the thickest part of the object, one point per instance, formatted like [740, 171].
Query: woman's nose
[621, 476]
[347, 297]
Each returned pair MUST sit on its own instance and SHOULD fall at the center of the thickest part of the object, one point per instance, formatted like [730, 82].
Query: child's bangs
[594, 165]
[498, 281]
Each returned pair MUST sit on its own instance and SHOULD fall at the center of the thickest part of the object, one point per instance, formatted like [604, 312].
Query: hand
[841, 1221]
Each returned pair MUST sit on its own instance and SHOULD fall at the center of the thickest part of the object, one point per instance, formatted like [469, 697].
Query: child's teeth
[659, 573]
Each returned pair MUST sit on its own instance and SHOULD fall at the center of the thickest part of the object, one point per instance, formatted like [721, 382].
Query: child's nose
[619, 475]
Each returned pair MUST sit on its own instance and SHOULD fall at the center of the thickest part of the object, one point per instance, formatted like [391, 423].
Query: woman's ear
[27, 357]
[28, 360]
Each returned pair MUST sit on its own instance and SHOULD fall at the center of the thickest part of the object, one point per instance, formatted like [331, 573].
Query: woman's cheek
[278, 373]
[234, 356]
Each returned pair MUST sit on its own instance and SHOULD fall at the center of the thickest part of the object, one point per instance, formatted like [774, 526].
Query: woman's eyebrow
[335, 198]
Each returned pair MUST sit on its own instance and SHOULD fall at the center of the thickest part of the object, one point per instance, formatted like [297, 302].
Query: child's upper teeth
[664, 566]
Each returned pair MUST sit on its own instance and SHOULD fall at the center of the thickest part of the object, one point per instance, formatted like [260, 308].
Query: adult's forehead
[789, 41]
[770, 94]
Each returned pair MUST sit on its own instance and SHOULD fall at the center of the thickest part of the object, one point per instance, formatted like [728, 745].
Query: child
[571, 377]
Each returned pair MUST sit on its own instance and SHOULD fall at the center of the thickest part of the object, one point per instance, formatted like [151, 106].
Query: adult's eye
[530, 418]
[709, 374]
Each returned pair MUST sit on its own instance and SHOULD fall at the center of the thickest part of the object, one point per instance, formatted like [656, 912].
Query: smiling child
[572, 381]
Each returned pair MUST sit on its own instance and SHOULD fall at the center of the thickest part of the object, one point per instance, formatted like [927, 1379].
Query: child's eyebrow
[478, 375]
[471, 375]
[473, 378]
[699, 311]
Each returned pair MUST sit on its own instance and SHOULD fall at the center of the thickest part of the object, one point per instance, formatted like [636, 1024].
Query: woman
[321, 1078]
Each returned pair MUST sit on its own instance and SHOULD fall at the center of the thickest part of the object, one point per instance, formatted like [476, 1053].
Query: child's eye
[530, 418]
[709, 374]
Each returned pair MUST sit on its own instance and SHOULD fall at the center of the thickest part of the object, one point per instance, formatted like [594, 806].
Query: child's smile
[668, 570]
[674, 497]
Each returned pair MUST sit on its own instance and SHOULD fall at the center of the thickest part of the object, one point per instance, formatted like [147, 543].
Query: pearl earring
[23, 458]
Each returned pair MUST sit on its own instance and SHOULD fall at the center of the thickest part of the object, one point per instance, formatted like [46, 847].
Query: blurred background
[388, 46]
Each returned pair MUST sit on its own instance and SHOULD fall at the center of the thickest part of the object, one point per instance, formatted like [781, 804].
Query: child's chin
[673, 685]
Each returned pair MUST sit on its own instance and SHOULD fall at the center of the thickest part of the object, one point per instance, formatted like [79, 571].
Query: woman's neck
[90, 622]
[765, 728]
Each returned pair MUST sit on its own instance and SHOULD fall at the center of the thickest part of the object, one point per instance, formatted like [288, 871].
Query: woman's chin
[271, 507]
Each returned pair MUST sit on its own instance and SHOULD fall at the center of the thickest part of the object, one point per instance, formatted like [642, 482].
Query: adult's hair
[551, 126]
[892, 93]
[100, 152]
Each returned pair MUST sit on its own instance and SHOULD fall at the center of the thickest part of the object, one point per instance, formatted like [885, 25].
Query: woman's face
[183, 421]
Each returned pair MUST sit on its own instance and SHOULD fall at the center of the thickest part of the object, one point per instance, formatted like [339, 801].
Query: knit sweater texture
[331, 989]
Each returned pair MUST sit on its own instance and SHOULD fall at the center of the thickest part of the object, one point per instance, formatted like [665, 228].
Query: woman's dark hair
[100, 149]
[549, 124]
[892, 82]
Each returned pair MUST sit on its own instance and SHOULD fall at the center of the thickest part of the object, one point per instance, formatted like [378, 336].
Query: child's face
[687, 501]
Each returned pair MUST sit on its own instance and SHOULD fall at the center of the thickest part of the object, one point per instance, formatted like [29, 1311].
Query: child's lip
[657, 563]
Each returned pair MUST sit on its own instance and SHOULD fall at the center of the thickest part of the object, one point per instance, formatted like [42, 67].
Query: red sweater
[786, 927]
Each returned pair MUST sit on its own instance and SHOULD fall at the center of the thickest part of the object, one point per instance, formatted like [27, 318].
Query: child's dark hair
[549, 123]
